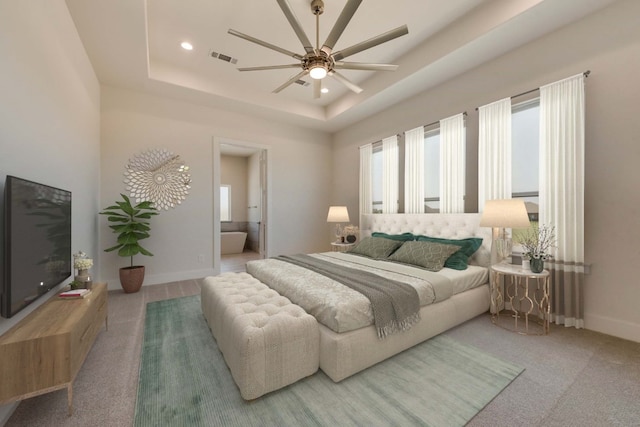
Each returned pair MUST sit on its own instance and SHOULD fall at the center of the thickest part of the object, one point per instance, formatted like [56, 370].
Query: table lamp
[338, 214]
[500, 215]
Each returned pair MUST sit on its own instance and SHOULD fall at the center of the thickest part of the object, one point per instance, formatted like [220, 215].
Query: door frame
[265, 183]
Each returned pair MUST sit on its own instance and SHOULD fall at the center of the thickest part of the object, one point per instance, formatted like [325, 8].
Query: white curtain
[494, 152]
[452, 164]
[562, 118]
[366, 202]
[414, 170]
[390, 174]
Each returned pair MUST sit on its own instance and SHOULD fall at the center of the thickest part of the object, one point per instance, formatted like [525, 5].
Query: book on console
[75, 293]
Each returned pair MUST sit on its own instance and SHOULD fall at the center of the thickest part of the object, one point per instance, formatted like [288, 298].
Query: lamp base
[501, 245]
[339, 237]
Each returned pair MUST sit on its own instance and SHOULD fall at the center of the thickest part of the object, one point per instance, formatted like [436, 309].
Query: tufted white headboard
[446, 226]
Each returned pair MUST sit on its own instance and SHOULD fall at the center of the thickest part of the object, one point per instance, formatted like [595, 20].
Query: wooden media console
[46, 349]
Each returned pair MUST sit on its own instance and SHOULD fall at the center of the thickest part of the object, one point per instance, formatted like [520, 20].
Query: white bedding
[343, 309]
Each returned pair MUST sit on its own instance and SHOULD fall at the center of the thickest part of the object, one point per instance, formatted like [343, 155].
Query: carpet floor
[185, 381]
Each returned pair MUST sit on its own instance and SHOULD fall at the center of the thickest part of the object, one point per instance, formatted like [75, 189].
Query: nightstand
[520, 299]
[341, 247]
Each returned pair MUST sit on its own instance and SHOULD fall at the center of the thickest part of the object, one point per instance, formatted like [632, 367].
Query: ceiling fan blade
[295, 24]
[291, 81]
[264, 44]
[364, 66]
[375, 41]
[269, 67]
[348, 83]
[317, 87]
[343, 20]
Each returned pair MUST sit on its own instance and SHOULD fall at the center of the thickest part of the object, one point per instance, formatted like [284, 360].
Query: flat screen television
[37, 242]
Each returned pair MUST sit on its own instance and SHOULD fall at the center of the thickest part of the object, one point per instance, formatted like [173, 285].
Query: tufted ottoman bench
[267, 341]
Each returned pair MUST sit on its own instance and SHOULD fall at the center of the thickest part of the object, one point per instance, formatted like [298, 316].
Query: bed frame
[344, 354]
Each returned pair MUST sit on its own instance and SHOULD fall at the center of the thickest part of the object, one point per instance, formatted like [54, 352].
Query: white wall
[133, 122]
[49, 114]
[234, 172]
[608, 44]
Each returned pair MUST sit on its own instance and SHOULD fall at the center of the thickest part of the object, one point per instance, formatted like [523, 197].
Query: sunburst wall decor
[159, 176]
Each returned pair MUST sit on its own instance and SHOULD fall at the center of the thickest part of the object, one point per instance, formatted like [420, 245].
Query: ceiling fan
[320, 62]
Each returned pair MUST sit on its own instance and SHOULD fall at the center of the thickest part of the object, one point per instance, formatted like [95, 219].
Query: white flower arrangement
[537, 242]
[81, 262]
[350, 229]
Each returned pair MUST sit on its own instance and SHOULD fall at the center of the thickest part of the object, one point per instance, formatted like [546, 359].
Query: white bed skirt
[342, 355]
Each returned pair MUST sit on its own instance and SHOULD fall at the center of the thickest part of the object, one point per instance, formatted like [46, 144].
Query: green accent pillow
[460, 259]
[404, 237]
[375, 247]
[428, 255]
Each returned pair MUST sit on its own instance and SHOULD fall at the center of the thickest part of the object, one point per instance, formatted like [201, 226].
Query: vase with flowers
[350, 233]
[537, 243]
[82, 263]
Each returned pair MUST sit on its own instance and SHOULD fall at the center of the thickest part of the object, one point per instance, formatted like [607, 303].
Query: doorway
[240, 204]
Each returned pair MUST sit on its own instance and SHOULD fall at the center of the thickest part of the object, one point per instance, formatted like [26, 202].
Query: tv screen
[37, 242]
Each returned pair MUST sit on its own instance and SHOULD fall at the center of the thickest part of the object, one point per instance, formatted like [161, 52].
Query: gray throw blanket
[395, 305]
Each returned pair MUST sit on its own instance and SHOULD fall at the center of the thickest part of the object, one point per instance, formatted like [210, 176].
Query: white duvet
[343, 309]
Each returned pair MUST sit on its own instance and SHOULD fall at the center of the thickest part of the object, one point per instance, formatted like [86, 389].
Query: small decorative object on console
[75, 293]
[82, 263]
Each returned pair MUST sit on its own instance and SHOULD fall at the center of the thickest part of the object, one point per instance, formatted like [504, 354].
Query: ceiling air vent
[302, 83]
[223, 57]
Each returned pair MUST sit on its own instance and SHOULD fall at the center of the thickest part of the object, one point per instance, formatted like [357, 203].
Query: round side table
[341, 247]
[520, 299]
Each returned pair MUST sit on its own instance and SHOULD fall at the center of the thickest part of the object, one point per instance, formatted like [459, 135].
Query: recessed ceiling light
[186, 46]
[324, 90]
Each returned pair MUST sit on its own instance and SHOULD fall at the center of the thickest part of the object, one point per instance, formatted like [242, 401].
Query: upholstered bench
[267, 341]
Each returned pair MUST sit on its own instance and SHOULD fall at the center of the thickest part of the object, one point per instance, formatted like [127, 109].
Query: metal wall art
[159, 176]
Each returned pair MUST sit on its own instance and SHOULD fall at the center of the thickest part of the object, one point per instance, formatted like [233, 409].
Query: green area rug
[184, 381]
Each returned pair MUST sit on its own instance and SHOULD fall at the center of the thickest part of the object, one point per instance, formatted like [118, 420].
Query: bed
[349, 340]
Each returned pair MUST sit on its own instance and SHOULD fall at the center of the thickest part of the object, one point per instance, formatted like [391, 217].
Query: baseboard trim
[610, 326]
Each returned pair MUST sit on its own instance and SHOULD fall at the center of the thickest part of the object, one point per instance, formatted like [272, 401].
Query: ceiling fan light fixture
[318, 72]
[320, 61]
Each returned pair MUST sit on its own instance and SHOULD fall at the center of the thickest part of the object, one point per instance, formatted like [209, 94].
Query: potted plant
[131, 225]
[537, 242]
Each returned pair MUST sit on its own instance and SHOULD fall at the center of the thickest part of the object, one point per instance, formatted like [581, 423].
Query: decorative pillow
[428, 255]
[404, 237]
[460, 259]
[375, 247]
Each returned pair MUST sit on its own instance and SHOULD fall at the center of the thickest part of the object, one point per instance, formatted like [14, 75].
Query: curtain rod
[438, 121]
[400, 134]
[585, 74]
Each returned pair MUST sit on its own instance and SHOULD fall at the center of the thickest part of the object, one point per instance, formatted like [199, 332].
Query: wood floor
[236, 262]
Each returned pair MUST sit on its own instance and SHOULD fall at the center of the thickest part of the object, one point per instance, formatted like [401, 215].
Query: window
[432, 171]
[525, 134]
[225, 203]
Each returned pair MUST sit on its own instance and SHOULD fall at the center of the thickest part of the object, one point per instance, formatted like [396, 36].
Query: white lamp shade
[338, 214]
[505, 213]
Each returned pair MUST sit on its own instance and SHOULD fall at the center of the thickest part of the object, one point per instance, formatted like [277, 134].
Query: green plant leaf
[129, 250]
[143, 251]
[130, 226]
